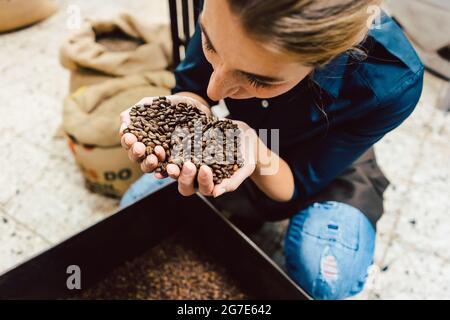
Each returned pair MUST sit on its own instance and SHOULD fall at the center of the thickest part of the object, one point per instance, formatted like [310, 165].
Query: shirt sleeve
[345, 144]
[193, 73]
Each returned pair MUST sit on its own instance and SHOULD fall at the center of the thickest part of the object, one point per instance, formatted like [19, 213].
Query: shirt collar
[331, 76]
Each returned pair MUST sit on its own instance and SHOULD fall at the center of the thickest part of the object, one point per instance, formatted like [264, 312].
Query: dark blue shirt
[334, 115]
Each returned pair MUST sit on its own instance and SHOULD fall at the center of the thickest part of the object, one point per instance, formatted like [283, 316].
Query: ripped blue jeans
[328, 246]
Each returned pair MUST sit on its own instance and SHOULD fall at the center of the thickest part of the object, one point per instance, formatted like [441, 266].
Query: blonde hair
[311, 31]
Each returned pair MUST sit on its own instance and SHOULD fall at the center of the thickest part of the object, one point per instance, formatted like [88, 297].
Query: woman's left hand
[249, 142]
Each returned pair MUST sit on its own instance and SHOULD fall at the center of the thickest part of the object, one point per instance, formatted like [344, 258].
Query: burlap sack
[120, 46]
[16, 14]
[91, 122]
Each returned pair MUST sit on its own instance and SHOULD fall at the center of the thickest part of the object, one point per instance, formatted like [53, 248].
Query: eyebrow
[240, 72]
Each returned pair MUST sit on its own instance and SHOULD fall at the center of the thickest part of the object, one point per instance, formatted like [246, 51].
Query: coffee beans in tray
[176, 269]
[187, 134]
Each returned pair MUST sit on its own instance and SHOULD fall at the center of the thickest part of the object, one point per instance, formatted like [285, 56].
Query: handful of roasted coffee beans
[187, 134]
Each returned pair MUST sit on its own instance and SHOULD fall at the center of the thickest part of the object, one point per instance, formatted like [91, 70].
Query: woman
[334, 84]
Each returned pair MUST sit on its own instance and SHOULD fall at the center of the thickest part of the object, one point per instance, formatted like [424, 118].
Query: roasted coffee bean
[177, 269]
[205, 138]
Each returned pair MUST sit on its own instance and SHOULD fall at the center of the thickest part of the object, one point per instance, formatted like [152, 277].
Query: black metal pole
[176, 43]
[186, 20]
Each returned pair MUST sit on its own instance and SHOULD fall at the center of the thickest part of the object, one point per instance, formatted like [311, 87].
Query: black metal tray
[133, 230]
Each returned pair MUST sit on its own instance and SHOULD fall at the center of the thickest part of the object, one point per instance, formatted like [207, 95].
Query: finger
[128, 140]
[220, 189]
[123, 126]
[232, 183]
[186, 179]
[160, 153]
[149, 164]
[205, 180]
[173, 171]
[158, 175]
[136, 152]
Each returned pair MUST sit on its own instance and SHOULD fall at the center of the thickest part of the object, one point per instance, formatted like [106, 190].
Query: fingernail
[127, 139]
[188, 169]
[220, 192]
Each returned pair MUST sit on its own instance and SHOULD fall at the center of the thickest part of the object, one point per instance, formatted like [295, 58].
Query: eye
[208, 45]
[257, 83]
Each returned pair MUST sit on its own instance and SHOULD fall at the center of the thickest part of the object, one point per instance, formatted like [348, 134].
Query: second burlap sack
[16, 14]
[115, 47]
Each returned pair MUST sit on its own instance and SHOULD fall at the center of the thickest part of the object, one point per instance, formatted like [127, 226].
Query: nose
[221, 86]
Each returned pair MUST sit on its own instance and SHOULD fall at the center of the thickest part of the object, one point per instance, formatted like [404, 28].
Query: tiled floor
[412, 249]
[43, 201]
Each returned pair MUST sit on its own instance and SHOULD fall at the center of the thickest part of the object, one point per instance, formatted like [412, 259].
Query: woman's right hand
[136, 149]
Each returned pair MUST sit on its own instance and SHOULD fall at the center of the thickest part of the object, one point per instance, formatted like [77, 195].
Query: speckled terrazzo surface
[43, 201]
[42, 198]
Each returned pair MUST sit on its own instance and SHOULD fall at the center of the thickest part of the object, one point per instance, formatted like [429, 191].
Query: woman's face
[243, 68]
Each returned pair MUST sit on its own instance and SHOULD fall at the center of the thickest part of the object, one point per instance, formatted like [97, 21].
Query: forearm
[273, 175]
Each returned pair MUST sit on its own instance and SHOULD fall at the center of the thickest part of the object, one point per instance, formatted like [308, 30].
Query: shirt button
[265, 103]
